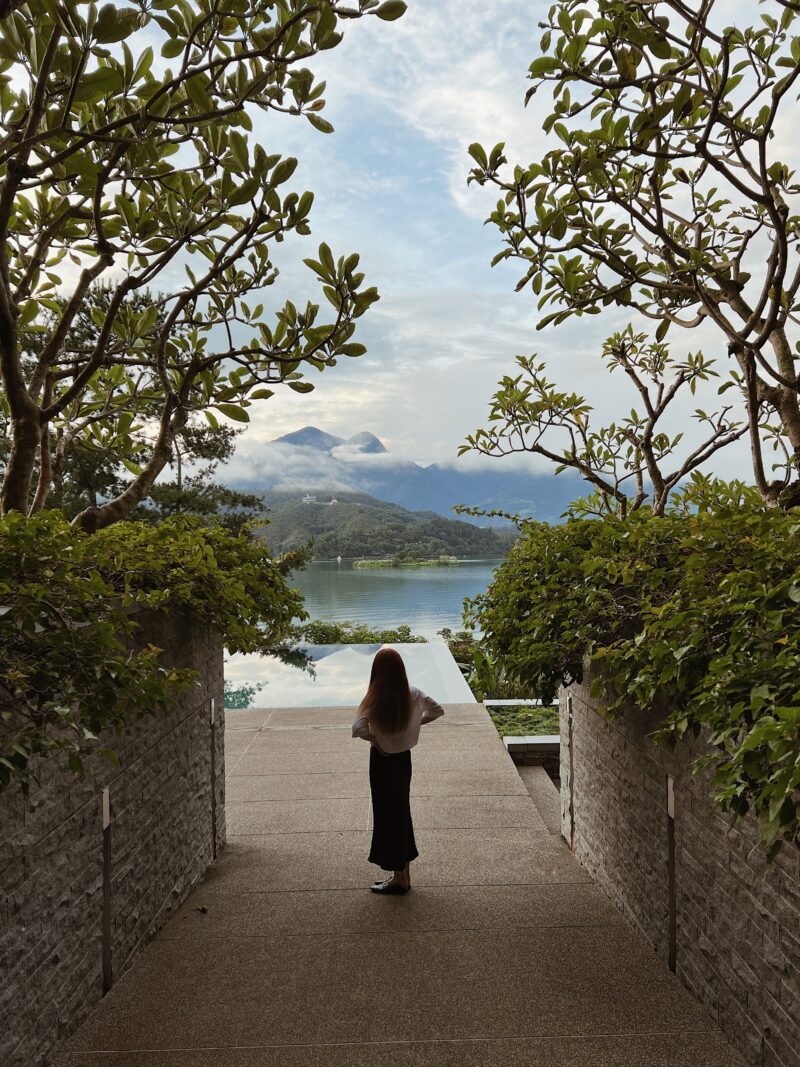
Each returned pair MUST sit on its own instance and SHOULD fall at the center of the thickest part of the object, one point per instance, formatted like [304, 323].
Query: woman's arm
[361, 728]
[430, 709]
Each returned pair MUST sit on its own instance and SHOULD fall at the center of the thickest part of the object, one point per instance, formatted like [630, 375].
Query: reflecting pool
[341, 675]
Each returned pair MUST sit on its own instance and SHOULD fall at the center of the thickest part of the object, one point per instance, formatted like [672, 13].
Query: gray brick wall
[161, 842]
[737, 918]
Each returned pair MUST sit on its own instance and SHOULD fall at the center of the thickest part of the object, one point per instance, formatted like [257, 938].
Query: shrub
[347, 632]
[524, 721]
[71, 665]
[704, 607]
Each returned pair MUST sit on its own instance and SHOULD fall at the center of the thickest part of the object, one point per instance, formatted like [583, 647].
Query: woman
[389, 717]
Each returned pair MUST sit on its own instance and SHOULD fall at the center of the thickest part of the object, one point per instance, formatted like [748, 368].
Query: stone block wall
[700, 893]
[77, 901]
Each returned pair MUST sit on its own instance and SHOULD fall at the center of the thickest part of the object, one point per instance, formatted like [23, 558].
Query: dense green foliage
[484, 673]
[71, 663]
[693, 616]
[524, 721]
[358, 525]
[319, 632]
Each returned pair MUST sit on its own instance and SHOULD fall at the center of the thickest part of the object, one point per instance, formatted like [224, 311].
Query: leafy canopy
[628, 462]
[126, 156]
[665, 193]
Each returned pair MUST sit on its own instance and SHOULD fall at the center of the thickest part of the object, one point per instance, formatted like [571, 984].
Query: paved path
[503, 954]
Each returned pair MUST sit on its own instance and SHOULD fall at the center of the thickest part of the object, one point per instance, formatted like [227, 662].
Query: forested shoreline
[358, 526]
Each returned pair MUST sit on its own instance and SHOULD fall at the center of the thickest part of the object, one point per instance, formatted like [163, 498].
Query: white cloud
[455, 72]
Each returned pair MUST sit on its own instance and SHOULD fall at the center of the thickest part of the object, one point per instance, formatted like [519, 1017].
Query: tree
[194, 492]
[89, 455]
[120, 167]
[666, 195]
[624, 462]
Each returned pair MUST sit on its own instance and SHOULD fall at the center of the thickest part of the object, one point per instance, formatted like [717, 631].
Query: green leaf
[301, 387]
[114, 24]
[326, 258]
[143, 65]
[478, 153]
[319, 123]
[326, 22]
[233, 411]
[543, 65]
[172, 48]
[99, 83]
[238, 145]
[283, 171]
[660, 47]
[390, 10]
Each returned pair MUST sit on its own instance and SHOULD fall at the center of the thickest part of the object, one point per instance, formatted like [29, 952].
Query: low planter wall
[92, 867]
[702, 895]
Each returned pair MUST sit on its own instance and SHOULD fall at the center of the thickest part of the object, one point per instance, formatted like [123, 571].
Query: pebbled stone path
[504, 953]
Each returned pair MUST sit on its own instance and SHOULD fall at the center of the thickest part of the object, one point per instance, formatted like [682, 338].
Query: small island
[439, 561]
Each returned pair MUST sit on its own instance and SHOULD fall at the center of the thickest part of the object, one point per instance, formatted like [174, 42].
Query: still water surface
[425, 598]
[340, 675]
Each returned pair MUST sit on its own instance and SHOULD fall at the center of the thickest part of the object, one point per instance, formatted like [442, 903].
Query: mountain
[366, 442]
[311, 460]
[311, 437]
[355, 525]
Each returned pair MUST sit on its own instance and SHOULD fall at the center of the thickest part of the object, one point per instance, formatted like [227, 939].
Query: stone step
[545, 796]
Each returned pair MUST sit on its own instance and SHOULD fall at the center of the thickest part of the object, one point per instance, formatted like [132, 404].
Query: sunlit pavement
[504, 953]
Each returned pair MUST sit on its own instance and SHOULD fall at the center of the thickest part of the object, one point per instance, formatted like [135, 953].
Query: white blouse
[424, 709]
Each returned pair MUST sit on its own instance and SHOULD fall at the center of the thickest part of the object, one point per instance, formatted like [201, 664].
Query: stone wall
[726, 922]
[78, 901]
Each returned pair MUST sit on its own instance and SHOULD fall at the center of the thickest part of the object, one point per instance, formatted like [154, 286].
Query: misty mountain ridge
[311, 437]
[312, 460]
[355, 525]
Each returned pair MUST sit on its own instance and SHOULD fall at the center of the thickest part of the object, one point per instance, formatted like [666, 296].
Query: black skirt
[393, 844]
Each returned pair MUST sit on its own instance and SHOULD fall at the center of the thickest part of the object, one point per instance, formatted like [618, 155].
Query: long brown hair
[388, 700]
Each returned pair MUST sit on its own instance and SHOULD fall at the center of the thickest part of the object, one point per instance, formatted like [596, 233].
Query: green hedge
[696, 617]
[68, 605]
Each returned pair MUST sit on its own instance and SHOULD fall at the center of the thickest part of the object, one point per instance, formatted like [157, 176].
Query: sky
[406, 99]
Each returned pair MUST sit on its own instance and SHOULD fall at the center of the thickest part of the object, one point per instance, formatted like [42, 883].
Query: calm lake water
[426, 598]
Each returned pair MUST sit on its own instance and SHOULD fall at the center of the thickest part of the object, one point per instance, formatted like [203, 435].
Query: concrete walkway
[503, 954]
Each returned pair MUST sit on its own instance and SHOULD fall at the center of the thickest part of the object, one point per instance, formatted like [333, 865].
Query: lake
[426, 598]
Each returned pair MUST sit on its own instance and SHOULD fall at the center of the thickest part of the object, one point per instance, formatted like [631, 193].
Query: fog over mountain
[310, 460]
